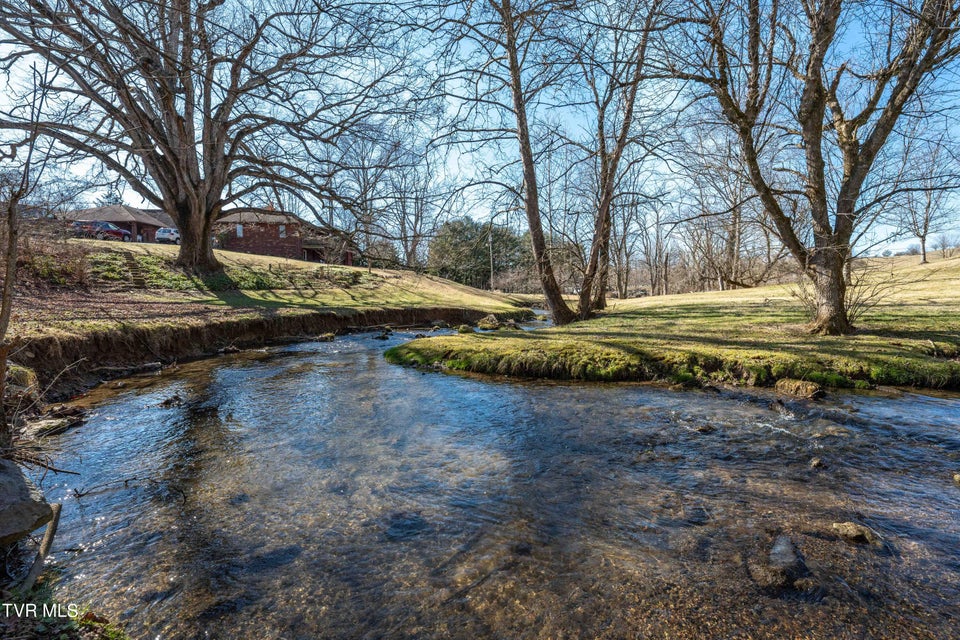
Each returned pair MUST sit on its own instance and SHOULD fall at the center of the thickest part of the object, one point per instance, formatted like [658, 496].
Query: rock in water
[465, 328]
[696, 515]
[22, 507]
[404, 525]
[799, 388]
[488, 323]
[857, 533]
[781, 569]
[783, 555]
[49, 426]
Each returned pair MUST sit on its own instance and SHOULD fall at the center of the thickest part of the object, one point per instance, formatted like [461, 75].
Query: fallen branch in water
[83, 491]
[22, 456]
[27, 584]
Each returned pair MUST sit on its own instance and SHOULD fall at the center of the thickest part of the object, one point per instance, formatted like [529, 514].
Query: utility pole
[490, 244]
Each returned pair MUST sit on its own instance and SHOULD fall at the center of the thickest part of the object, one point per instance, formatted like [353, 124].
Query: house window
[239, 230]
[283, 231]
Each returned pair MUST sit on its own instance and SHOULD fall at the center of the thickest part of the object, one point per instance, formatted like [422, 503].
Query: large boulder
[22, 507]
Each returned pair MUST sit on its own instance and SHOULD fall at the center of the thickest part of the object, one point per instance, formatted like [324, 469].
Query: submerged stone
[855, 532]
[783, 554]
[404, 525]
[696, 515]
[783, 568]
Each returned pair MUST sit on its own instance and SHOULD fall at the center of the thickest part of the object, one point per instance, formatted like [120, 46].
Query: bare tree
[366, 158]
[755, 57]
[415, 207]
[946, 245]
[930, 178]
[656, 248]
[14, 186]
[627, 216]
[501, 60]
[724, 229]
[199, 105]
[610, 45]
[19, 176]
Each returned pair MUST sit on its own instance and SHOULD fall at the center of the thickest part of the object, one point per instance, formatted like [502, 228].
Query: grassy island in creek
[748, 336]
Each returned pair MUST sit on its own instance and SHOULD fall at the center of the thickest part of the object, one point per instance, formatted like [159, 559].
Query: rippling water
[314, 491]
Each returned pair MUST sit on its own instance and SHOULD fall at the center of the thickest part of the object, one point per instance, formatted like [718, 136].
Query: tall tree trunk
[561, 313]
[12, 222]
[923, 249]
[830, 286]
[664, 282]
[196, 248]
[603, 278]
[591, 288]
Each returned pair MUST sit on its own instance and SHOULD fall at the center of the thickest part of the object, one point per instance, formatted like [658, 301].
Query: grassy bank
[128, 304]
[752, 337]
[250, 286]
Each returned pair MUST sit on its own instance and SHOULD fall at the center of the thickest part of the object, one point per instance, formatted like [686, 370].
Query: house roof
[162, 216]
[261, 217]
[115, 213]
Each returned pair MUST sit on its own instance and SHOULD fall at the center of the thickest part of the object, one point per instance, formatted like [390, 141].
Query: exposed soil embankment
[65, 364]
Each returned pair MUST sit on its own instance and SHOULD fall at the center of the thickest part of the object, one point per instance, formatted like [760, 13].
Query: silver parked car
[166, 234]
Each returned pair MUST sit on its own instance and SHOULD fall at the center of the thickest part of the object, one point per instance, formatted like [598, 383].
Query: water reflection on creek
[314, 491]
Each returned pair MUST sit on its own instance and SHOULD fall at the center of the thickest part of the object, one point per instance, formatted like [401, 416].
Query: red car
[101, 230]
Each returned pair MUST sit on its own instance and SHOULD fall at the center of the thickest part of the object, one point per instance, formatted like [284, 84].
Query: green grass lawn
[751, 336]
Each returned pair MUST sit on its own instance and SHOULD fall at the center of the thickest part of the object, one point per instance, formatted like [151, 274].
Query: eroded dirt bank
[65, 365]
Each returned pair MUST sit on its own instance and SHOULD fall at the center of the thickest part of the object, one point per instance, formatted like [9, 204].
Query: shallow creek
[315, 491]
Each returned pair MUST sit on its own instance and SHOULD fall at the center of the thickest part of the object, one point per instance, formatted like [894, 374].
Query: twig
[18, 454]
[37, 567]
[79, 493]
[41, 394]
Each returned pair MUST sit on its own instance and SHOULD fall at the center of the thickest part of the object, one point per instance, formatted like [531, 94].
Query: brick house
[265, 233]
[273, 233]
[332, 248]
